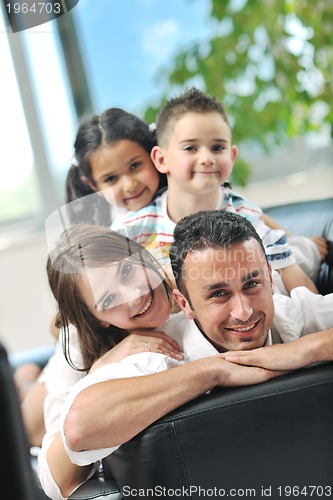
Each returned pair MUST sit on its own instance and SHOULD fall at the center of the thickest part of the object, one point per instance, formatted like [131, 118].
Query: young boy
[196, 153]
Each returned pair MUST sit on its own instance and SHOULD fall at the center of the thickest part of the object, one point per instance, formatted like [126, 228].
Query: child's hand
[141, 341]
[322, 246]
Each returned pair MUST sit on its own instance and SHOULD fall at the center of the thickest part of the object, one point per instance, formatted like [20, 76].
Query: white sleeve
[306, 253]
[302, 313]
[133, 366]
[58, 376]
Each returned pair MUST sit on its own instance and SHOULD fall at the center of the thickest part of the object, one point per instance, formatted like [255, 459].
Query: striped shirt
[152, 228]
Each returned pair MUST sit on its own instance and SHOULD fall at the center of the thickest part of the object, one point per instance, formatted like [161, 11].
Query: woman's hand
[141, 341]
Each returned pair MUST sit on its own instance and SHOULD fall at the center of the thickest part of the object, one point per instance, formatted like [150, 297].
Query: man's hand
[274, 357]
[313, 348]
[235, 375]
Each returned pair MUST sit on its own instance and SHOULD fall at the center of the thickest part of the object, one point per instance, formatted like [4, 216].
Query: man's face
[230, 292]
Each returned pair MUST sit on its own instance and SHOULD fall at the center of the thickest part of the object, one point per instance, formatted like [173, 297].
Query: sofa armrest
[310, 218]
[270, 435]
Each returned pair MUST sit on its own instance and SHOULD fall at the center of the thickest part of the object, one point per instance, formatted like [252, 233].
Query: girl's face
[126, 295]
[125, 174]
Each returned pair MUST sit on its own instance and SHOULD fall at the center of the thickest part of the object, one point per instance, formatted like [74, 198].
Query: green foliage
[269, 62]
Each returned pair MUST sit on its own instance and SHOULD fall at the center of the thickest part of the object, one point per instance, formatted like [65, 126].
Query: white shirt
[301, 313]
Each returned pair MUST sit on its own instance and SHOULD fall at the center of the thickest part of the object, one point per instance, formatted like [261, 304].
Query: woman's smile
[145, 306]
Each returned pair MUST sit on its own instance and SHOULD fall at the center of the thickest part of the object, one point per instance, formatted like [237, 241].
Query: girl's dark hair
[113, 125]
[86, 246]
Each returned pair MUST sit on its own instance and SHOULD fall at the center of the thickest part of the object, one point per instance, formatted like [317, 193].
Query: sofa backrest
[274, 435]
[310, 218]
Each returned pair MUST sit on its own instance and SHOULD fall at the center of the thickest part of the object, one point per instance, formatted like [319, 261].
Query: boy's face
[199, 156]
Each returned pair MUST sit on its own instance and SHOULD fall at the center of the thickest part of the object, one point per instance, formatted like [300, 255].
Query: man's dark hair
[207, 229]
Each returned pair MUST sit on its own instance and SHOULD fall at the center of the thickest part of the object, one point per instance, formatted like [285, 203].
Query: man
[225, 289]
[225, 285]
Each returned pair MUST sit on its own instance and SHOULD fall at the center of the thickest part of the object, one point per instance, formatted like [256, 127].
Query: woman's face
[125, 294]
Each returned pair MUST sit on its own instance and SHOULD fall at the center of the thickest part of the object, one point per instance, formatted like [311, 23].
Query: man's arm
[110, 413]
[313, 348]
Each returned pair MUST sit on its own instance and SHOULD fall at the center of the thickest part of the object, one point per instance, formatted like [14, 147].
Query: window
[38, 123]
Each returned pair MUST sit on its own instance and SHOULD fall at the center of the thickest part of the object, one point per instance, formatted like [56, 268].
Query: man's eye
[251, 284]
[217, 293]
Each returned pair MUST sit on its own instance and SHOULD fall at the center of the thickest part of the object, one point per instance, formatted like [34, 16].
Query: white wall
[26, 303]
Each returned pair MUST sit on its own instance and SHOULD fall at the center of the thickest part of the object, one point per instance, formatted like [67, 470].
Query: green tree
[269, 61]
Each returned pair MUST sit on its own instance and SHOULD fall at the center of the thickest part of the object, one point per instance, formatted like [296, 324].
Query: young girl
[111, 295]
[112, 158]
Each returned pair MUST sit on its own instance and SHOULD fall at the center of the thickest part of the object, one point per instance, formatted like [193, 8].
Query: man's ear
[88, 182]
[183, 303]
[157, 155]
[271, 277]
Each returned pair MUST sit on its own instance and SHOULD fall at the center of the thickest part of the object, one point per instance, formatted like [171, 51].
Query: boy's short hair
[191, 100]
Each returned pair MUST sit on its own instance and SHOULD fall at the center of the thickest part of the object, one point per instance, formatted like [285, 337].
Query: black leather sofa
[265, 437]
[273, 439]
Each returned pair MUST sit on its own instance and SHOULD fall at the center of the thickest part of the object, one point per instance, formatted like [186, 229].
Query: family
[168, 284]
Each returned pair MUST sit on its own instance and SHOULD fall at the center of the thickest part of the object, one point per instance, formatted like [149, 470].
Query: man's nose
[240, 307]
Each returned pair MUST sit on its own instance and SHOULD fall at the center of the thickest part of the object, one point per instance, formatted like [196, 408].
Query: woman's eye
[126, 270]
[107, 302]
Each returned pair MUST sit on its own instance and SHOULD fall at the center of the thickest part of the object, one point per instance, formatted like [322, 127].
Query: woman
[111, 295]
